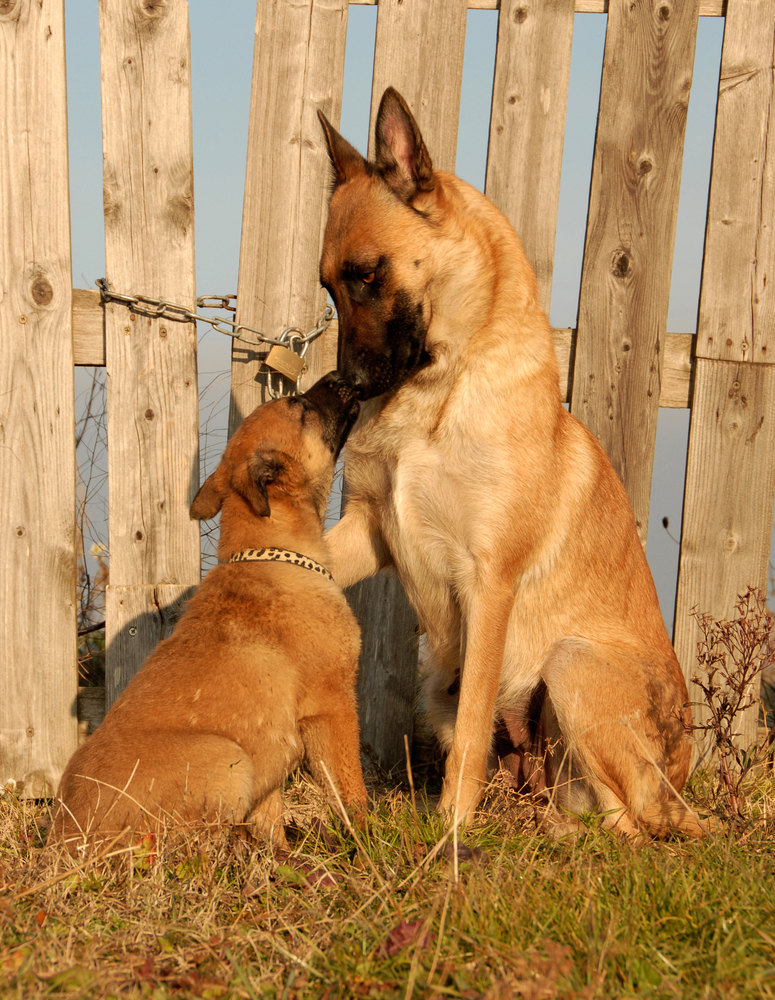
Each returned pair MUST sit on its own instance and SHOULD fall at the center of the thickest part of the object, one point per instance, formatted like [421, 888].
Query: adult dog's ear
[208, 500]
[261, 470]
[346, 159]
[401, 156]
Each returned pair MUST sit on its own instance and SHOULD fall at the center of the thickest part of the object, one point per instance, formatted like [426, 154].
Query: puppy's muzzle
[336, 402]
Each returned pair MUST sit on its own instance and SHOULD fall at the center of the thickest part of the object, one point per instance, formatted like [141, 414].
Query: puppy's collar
[283, 556]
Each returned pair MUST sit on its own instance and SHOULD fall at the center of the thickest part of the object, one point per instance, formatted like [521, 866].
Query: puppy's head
[375, 262]
[283, 453]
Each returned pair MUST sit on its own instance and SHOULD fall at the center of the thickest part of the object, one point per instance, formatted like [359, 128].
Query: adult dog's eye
[368, 278]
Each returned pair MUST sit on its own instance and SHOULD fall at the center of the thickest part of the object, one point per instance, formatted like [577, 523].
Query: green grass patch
[527, 917]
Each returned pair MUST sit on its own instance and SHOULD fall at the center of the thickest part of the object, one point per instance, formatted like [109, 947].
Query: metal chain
[291, 338]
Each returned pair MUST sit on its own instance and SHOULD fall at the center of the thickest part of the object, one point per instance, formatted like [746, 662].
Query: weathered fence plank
[152, 395]
[730, 476]
[38, 680]
[148, 613]
[625, 284]
[88, 328]
[709, 8]
[677, 370]
[737, 314]
[527, 124]
[419, 50]
[298, 66]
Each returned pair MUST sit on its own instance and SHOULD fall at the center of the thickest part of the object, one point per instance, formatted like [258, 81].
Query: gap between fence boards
[677, 366]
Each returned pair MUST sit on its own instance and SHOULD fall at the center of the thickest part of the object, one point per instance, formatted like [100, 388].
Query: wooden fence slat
[625, 284]
[730, 483]
[419, 50]
[527, 124]
[708, 8]
[298, 67]
[88, 328]
[149, 614]
[152, 395]
[740, 238]
[38, 680]
[677, 369]
[730, 476]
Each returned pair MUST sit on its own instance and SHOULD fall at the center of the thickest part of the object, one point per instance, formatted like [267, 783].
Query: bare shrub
[730, 657]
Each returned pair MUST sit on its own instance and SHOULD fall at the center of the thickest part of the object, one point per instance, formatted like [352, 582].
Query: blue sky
[222, 52]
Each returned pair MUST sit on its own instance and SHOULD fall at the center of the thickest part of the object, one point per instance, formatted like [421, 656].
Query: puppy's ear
[401, 156]
[346, 159]
[261, 470]
[208, 500]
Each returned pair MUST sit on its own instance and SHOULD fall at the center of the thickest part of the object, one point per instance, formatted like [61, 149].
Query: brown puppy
[500, 512]
[260, 671]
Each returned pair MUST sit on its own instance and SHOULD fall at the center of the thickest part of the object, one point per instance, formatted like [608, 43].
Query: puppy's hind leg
[332, 751]
[266, 821]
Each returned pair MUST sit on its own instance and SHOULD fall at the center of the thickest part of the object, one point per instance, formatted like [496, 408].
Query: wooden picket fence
[618, 367]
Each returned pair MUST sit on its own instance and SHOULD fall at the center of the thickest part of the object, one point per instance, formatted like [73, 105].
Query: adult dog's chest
[420, 483]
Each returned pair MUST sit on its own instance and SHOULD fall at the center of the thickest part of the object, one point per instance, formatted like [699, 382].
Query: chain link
[291, 338]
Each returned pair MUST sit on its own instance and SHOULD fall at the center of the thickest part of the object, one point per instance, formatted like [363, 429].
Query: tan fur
[259, 673]
[502, 515]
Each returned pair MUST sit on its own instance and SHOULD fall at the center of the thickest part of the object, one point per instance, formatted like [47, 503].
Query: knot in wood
[153, 9]
[730, 543]
[664, 12]
[42, 292]
[620, 264]
[520, 15]
[10, 10]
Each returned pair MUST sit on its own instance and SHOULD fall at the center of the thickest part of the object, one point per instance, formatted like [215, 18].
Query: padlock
[286, 362]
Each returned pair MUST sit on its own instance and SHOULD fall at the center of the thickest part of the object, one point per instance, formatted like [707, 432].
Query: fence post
[39, 677]
[628, 258]
[527, 124]
[152, 395]
[409, 36]
[730, 475]
[298, 66]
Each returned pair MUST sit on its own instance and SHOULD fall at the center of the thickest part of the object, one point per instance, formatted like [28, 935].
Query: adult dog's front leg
[356, 545]
[486, 626]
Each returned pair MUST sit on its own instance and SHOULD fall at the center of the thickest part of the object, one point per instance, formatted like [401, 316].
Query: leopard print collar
[280, 555]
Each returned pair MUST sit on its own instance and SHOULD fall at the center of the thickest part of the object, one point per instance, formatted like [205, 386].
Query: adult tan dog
[509, 529]
[260, 671]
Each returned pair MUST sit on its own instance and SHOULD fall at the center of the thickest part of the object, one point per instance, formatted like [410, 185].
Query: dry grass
[381, 916]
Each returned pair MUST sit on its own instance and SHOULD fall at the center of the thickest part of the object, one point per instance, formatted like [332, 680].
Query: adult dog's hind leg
[619, 714]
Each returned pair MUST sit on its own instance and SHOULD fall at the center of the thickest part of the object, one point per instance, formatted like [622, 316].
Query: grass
[216, 916]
